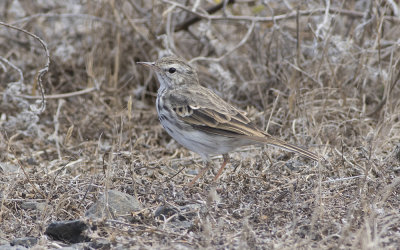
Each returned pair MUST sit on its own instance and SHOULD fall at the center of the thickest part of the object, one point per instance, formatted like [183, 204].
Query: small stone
[119, 205]
[396, 152]
[164, 212]
[25, 241]
[183, 219]
[32, 161]
[8, 168]
[29, 205]
[33, 205]
[100, 244]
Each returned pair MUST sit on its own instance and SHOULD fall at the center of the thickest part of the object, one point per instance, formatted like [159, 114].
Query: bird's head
[173, 72]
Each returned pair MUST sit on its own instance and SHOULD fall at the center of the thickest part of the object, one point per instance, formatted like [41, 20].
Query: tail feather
[268, 139]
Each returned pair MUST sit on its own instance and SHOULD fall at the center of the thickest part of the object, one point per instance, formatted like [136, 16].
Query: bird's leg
[226, 160]
[200, 174]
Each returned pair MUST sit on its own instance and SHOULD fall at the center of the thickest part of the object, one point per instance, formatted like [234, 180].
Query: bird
[203, 122]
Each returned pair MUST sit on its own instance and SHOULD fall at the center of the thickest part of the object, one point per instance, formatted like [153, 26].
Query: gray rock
[25, 241]
[33, 205]
[29, 205]
[113, 205]
[8, 168]
[100, 244]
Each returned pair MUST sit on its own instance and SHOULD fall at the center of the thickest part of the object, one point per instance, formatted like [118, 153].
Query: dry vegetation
[323, 75]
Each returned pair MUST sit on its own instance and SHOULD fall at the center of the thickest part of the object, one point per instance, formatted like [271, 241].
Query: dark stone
[68, 231]
[164, 212]
[183, 219]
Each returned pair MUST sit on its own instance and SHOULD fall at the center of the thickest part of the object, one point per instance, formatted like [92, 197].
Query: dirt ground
[321, 74]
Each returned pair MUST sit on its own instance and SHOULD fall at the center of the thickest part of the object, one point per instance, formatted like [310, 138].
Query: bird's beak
[148, 64]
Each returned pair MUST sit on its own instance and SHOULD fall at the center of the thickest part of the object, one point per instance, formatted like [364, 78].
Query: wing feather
[202, 108]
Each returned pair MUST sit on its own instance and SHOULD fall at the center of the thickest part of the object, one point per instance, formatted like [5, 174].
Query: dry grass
[324, 79]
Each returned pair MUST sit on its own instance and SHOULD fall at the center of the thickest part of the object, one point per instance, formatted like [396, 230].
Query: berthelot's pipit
[200, 120]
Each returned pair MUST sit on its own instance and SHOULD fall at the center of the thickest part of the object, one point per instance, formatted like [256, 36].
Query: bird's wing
[203, 109]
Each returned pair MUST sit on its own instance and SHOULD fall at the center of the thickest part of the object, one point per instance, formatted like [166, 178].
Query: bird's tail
[268, 139]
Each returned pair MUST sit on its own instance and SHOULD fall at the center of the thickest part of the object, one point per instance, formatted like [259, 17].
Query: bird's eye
[171, 70]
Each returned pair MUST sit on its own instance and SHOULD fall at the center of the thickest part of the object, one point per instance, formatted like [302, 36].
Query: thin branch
[290, 15]
[59, 96]
[41, 72]
[243, 41]
[65, 15]
[192, 20]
